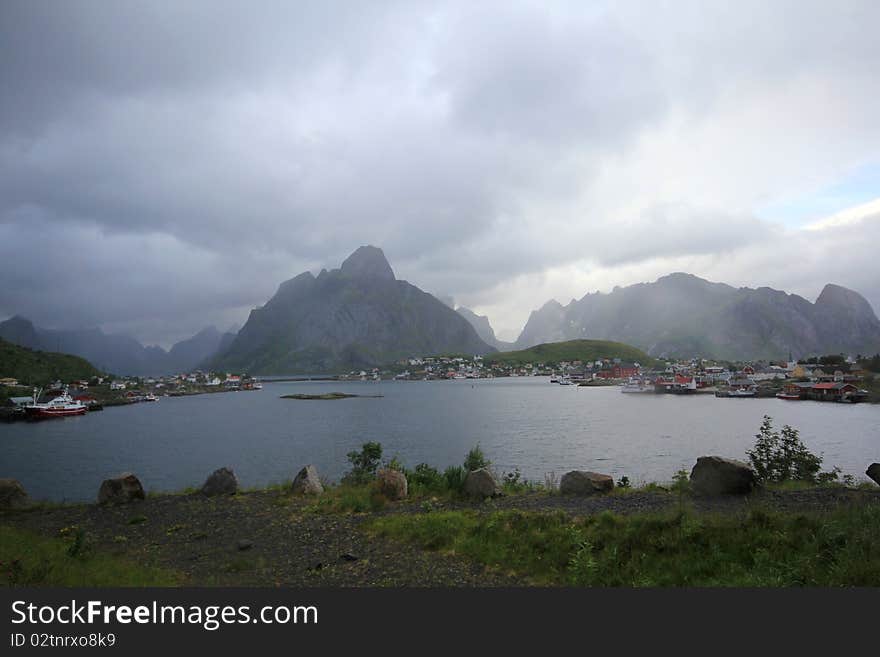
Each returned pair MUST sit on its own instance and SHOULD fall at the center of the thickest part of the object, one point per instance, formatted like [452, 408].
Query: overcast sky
[165, 165]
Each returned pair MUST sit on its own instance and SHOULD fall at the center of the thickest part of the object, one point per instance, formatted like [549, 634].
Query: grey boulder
[12, 494]
[392, 483]
[715, 475]
[121, 490]
[481, 484]
[582, 482]
[220, 482]
[307, 482]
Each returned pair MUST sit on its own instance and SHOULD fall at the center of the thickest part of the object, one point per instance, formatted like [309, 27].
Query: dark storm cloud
[190, 156]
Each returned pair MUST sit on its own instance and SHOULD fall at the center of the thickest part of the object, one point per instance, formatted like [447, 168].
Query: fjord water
[524, 423]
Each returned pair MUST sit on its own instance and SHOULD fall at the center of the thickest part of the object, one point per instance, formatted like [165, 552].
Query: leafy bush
[364, 463]
[395, 464]
[781, 456]
[475, 460]
[425, 475]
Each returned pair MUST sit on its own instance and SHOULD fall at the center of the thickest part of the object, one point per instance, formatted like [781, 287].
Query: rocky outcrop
[12, 494]
[715, 475]
[220, 482]
[873, 472]
[391, 483]
[483, 328]
[121, 490]
[691, 316]
[307, 482]
[480, 484]
[354, 317]
[582, 482]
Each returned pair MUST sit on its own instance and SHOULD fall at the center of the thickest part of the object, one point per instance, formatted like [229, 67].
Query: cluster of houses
[791, 379]
[132, 388]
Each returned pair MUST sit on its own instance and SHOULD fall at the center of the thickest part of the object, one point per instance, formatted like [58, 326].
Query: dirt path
[269, 538]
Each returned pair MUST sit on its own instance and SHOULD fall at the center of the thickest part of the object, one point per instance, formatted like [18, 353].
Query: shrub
[781, 456]
[475, 460]
[454, 477]
[395, 464]
[426, 477]
[364, 463]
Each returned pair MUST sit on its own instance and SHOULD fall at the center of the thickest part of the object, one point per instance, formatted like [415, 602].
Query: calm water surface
[526, 423]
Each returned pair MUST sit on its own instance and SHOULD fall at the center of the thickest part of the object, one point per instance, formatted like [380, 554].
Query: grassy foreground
[27, 559]
[674, 548]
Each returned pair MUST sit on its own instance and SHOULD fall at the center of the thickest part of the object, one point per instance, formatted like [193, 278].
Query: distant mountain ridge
[682, 315]
[483, 328]
[117, 354]
[353, 317]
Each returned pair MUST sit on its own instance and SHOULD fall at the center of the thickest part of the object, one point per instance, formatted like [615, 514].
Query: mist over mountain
[683, 315]
[118, 354]
[353, 317]
[483, 328]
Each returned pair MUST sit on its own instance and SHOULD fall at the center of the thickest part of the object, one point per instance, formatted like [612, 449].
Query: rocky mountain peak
[844, 299]
[367, 262]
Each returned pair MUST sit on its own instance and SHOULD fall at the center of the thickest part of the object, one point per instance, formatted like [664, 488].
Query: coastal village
[829, 378]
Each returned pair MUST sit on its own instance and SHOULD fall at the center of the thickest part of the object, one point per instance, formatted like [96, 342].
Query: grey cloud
[196, 154]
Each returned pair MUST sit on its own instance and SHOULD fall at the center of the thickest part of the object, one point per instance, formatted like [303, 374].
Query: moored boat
[635, 385]
[61, 406]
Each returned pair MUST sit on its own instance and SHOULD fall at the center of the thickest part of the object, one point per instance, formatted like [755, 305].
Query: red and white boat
[62, 406]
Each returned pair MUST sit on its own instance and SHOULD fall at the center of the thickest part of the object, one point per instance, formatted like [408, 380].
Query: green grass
[583, 350]
[762, 548]
[346, 498]
[30, 560]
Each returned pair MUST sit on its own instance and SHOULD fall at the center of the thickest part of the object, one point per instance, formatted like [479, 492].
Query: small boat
[565, 380]
[61, 406]
[637, 385]
[791, 396]
[742, 392]
[150, 397]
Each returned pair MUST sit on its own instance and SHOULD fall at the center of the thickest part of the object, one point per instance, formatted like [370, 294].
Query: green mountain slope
[583, 350]
[41, 367]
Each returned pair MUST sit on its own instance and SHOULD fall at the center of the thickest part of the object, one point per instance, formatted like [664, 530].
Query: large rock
[307, 482]
[873, 472]
[220, 482]
[715, 475]
[392, 483]
[480, 484]
[12, 494]
[582, 482]
[121, 490]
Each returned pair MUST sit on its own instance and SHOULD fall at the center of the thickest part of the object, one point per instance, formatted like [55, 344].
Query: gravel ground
[268, 538]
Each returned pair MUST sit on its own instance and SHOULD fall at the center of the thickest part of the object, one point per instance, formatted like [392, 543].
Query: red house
[619, 371]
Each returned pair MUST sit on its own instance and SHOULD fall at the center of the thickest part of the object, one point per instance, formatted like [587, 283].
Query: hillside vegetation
[32, 367]
[583, 350]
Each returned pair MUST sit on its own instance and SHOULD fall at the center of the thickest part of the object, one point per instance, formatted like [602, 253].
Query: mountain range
[361, 316]
[354, 317]
[118, 354]
[681, 315]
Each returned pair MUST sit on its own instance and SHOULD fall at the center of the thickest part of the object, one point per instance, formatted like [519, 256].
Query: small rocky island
[327, 395]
